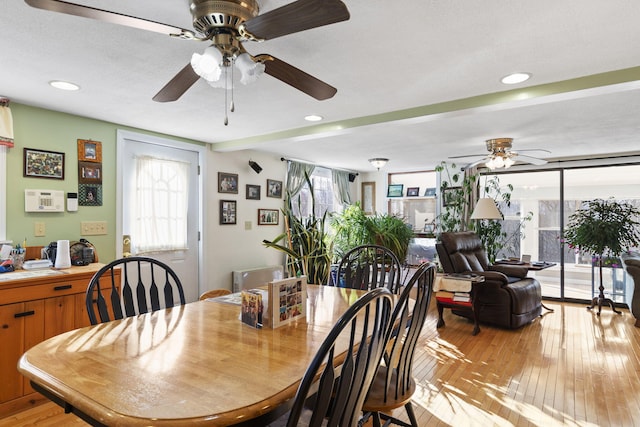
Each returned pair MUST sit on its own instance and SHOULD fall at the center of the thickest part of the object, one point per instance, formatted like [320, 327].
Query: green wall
[54, 131]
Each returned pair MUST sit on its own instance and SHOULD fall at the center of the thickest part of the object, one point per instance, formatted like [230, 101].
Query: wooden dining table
[190, 365]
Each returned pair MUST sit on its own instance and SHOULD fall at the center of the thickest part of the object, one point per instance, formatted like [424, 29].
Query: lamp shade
[486, 209]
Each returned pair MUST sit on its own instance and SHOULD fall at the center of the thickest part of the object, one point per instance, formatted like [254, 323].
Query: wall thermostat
[72, 202]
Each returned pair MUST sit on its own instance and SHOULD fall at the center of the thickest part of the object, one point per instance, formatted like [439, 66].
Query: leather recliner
[631, 264]
[507, 297]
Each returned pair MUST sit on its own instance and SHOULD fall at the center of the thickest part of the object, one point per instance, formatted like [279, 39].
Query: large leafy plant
[458, 187]
[603, 227]
[304, 242]
[352, 228]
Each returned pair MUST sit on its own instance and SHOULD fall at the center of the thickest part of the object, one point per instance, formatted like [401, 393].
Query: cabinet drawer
[53, 289]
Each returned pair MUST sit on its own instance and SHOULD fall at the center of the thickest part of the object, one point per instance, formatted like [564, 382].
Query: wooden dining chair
[156, 286]
[394, 384]
[367, 267]
[339, 385]
[214, 293]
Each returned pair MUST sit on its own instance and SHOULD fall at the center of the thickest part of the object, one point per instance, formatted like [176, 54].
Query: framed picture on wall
[274, 188]
[413, 191]
[89, 151]
[227, 182]
[89, 172]
[268, 216]
[43, 164]
[395, 190]
[449, 195]
[228, 212]
[253, 192]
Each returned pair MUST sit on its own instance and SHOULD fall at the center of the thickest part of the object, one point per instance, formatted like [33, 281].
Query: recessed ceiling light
[514, 78]
[59, 84]
[313, 118]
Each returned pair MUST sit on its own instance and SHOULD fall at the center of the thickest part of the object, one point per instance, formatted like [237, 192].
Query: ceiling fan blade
[532, 160]
[535, 149]
[297, 16]
[467, 155]
[178, 85]
[476, 163]
[107, 16]
[297, 78]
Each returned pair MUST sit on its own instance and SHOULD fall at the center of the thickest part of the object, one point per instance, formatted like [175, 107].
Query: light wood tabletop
[190, 365]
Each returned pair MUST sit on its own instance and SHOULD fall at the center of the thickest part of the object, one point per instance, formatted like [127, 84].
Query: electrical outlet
[93, 228]
[247, 225]
[39, 229]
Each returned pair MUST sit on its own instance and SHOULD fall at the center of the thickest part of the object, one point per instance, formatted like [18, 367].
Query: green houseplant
[352, 228]
[458, 188]
[305, 242]
[604, 228]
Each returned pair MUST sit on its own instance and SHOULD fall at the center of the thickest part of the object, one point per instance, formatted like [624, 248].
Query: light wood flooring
[567, 368]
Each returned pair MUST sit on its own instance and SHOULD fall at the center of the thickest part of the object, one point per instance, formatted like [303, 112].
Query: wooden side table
[443, 302]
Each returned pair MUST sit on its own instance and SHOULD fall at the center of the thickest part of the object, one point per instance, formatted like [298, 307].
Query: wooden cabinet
[34, 306]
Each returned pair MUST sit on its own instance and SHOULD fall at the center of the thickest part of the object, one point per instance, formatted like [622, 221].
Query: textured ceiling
[417, 80]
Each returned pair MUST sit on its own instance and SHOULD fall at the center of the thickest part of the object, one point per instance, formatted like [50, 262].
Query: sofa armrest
[492, 279]
[518, 271]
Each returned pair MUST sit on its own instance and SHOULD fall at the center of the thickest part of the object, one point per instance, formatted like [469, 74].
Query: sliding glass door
[549, 198]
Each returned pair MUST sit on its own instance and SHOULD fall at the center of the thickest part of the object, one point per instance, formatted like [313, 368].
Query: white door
[184, 261]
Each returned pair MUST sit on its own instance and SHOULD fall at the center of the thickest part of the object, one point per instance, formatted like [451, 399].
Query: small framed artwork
[268, 217]
[228, 212]
[369, 197]
[430, 192]
[274, 188]
[90, 194]
[413, 191]
[89, 151]
[43, 164]
[395, 190]
[227, 182]
[89, 172]
[253, 192]
[449, 195]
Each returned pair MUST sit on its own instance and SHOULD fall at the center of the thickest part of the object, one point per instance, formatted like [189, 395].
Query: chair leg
[411, 414]
[376, 419]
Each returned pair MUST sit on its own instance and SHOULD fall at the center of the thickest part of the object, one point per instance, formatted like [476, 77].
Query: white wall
[236, 247]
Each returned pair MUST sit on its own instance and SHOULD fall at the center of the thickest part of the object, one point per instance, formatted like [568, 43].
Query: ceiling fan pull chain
[232, 107]
[226, 81]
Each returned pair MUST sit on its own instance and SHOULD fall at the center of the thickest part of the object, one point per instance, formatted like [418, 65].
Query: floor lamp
[486, 209]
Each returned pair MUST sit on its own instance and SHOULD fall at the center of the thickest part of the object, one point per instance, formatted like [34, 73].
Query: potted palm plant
[604, 228]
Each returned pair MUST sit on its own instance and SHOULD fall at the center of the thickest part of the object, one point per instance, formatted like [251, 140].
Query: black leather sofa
[507, 297]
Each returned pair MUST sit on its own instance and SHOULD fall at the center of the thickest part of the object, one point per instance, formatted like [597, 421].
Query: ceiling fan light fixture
[378, 162]
[515, 78]
[508, 162]
[207, 65]
[249, 69]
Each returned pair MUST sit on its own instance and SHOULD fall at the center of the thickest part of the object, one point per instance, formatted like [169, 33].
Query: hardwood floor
[567, 368]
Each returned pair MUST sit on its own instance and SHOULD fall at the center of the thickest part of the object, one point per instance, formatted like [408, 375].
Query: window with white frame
[160, 205]
[325, 199]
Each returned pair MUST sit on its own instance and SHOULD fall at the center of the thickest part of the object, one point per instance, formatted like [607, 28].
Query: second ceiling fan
[501, 155]
[227, 24]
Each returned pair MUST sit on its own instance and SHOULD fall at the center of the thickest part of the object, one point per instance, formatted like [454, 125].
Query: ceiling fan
[227, 24]
[501, 156]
